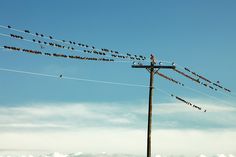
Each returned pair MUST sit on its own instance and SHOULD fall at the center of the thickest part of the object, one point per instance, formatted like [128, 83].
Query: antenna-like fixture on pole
[153, 59]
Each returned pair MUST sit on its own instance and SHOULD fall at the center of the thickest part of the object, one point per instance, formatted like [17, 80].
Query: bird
[60, 76]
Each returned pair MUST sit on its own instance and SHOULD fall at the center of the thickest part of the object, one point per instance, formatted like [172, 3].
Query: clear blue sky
[197, 34]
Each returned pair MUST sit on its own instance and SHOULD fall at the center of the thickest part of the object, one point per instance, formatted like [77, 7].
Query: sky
[92, 117]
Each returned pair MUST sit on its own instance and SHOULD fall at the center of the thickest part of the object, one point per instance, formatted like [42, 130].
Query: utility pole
[152, 69]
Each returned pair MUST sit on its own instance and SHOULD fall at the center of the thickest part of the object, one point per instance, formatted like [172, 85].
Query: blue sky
[196, 34]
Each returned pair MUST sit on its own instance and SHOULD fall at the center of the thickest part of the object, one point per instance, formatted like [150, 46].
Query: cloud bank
[118, 128]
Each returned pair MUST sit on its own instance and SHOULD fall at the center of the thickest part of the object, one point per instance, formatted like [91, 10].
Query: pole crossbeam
[152, 69]
[153, 66]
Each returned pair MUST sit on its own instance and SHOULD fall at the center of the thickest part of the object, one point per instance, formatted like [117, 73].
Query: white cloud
[93, 128]
[129, 141]
[77, 115]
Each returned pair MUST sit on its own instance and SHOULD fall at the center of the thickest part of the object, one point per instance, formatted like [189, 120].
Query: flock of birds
[107, 56]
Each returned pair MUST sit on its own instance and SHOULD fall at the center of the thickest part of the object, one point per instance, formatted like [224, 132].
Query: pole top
[153, 59]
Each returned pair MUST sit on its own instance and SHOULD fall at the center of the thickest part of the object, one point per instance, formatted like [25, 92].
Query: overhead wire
[216, 84]
[72, 78]
[37, 52]
[104, 50]
[207, 95]
[210, 96]
[40, 42]
[88, 80]
[168, 78]
[181, 100]
[203, 78]
[114, 53]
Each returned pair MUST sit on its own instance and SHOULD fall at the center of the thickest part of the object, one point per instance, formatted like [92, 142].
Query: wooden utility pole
[152, 69]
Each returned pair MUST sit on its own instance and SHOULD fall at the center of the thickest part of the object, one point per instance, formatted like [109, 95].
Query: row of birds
[207, 80]
[116, 55]
[56, 54]
[170, 79]
[138, 57]
[188, 103]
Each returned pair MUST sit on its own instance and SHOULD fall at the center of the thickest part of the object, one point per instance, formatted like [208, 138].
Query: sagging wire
[72, 78]
[104, 50]
[40, 42]
[182, 100]
[36, 52]
[32, 41]
[188, 103]
[94, 81]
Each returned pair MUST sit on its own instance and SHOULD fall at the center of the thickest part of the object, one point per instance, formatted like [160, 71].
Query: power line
[72, 78]
[9, 49]
[114, 53]
[37, 52]
[80, 79]
[202, 93]
[168, 78]
[40, 42]
[202, 83]
[72, 49]
[216, 84]
[182, 100]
